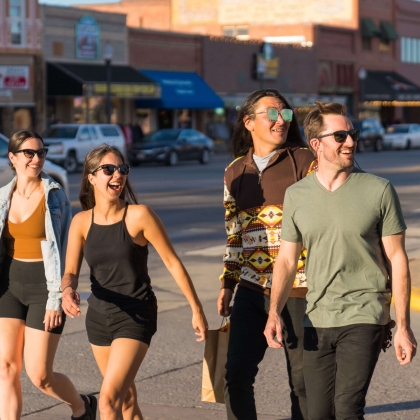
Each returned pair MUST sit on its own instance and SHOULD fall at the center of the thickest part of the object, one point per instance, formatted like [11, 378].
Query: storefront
[390, 97]
[77, 92]
[185, 100]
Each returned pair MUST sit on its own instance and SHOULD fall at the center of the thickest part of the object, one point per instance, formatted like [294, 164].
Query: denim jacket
[57, 223]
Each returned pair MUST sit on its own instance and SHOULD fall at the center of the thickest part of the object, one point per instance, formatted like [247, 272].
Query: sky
[73, 2]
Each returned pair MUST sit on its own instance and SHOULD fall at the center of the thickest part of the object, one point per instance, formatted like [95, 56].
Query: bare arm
[74, 256]
[155, 233]
[283, 276]
[404, 341]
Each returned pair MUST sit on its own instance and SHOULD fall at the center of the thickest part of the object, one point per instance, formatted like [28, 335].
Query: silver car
[402, 136]
[6, 172]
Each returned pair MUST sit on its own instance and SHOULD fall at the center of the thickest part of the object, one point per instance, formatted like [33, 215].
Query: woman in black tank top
[113, 236]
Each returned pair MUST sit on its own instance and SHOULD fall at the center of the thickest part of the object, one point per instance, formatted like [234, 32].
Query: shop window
[229, 31]
[22, 119]
[367, 44]
[410, 50]
[17, 19]
[240, 32]
[384, 45]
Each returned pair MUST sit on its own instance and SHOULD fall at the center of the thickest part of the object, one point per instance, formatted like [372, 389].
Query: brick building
[22, 101]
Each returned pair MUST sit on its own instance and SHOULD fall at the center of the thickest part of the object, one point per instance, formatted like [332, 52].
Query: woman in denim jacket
[35, 216]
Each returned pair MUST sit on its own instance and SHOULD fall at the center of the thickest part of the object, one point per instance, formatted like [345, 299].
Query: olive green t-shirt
[348, 280]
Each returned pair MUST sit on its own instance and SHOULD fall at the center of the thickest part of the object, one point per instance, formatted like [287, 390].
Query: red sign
[14, 82]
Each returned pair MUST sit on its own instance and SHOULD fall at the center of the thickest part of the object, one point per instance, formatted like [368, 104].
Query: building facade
[22, 83]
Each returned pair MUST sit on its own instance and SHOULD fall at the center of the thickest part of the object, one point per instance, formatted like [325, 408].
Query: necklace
[24, 196]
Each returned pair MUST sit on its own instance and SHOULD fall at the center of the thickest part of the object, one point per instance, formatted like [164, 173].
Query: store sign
[125, 90]
[88, 38]
[14, 77]
[266, 65]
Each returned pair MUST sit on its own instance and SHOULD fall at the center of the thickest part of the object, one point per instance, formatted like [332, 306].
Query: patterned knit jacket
[254, 205]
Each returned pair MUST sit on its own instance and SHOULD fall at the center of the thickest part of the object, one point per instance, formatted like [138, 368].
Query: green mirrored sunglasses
[273, 114]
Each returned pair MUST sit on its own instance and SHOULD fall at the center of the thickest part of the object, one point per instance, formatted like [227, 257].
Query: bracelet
[66, 288]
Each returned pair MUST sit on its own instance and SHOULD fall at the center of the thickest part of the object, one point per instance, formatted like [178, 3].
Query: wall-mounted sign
[14, 77]
[127, 90]
[266, 65]
[88, 38]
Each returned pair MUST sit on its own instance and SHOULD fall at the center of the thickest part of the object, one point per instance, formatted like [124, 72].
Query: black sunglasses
[109, 169]
[340, 136]
[30, 153]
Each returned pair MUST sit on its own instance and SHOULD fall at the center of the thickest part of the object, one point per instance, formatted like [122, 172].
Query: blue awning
[180, 90]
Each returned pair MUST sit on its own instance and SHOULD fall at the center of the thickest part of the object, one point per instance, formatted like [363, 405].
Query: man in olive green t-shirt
[352, 226]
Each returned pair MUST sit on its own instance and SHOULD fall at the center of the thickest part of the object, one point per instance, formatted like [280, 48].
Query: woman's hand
[199, 323]
[70, 302]
[52, 319]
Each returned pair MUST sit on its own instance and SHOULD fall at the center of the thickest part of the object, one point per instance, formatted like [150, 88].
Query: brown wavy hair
[19, 138]
[92, 161]
[242, 139]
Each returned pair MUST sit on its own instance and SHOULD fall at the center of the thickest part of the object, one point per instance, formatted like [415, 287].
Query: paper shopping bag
[215, 356]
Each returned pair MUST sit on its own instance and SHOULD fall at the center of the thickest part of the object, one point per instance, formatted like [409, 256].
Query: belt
[256, 287]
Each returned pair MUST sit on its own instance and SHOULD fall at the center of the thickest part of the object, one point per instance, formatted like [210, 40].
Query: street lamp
[107, 55]
[362, 74]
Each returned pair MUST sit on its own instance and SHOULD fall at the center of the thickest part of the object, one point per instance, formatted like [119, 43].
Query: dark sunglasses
[109, 169]
[341, 136]
[273, 114]
[30, 153]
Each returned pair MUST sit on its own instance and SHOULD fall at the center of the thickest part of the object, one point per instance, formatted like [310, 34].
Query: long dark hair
[92, 161]
[19, 138]
[242, 139]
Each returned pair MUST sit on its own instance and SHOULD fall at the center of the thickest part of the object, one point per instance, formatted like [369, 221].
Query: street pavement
[188, 199]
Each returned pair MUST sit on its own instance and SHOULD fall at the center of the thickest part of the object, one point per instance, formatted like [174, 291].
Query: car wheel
[378, 145]
[71, 164]
[205, 157]
[408, 145]
[361, 146]
[172, 158]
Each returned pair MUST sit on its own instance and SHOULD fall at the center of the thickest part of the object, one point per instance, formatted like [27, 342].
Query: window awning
[369, 28]
[389, 86]
[69, 79]
[387, 30]
[180, 90]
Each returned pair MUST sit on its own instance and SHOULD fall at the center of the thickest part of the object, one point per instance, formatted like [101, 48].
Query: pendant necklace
[24, 196]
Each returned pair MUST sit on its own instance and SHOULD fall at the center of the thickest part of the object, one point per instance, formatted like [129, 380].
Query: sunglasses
[109, 169]
[273, 114]
[30, 153]
[341, 136]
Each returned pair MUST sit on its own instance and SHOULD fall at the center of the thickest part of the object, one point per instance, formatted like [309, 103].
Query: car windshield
[397, 129]
[162, 135]
[64, 133]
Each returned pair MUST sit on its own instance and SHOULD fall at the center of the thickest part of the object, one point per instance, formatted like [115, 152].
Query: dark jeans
[338, 366]
[247, 346]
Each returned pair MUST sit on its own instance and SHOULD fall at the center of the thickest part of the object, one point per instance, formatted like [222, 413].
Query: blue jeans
[338, 364]
[247, 346]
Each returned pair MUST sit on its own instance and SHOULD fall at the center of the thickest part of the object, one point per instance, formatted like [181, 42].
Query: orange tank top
[23, 240]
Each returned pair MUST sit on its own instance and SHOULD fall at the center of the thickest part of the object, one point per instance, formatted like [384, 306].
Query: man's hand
[70, 302]
[273, 329]
[405, 345]
[52, 319]
[223, 302]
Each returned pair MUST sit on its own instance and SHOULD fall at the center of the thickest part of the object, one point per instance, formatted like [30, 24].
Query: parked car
[371, 134]
[402, 136]
[69, 144]
[170, 145]
[6, 172]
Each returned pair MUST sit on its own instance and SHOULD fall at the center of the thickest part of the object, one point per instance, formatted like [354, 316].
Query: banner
[88, 38]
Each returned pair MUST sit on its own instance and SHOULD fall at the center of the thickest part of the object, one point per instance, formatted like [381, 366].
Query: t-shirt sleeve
[392, 219]
[289, 230]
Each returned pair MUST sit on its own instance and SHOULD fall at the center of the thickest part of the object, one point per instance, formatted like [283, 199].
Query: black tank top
[118, 268]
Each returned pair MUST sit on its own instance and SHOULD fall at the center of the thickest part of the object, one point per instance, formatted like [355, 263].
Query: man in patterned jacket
[270, 156]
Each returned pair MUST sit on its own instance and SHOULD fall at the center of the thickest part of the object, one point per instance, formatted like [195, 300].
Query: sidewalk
[207, 412]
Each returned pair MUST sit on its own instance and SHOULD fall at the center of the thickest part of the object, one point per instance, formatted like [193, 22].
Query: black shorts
[138, 323]
[24, 294]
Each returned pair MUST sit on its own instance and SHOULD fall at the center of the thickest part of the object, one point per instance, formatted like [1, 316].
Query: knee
[321, 413]
[109, 404]
[41, 380]
[9, 370]
[240, 375]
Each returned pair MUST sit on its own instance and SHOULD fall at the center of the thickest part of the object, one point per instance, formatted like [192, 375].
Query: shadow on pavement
[386, 408]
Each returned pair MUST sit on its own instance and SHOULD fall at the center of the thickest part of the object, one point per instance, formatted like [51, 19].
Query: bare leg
[11, 339]
[39, 353]
[119, 364]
